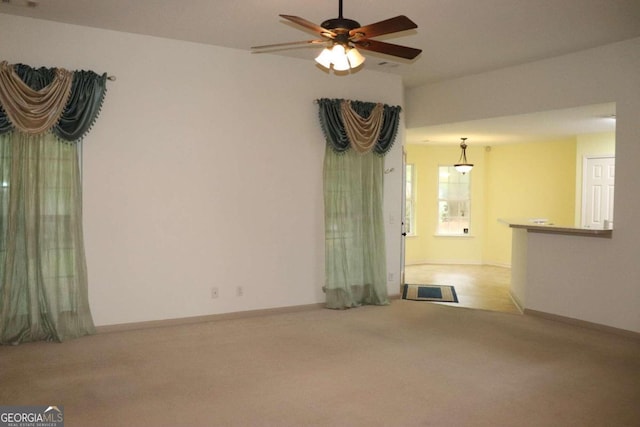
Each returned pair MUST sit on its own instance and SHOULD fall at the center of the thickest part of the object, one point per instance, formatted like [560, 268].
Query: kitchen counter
[544, 226]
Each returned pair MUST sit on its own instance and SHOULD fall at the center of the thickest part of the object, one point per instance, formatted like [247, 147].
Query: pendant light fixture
[463, 166]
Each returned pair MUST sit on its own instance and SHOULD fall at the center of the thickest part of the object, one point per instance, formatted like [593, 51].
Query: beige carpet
[407, 364]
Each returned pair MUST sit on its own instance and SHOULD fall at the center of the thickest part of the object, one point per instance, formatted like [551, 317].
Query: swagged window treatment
[44, 113]
[358, 135]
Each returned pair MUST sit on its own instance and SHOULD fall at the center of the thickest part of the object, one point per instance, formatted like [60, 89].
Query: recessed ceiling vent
[387, 64]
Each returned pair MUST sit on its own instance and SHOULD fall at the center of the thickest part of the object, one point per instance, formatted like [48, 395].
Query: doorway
[524, 175]
[598, 185]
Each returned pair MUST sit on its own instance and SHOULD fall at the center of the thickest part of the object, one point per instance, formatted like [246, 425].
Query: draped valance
[38, 100]
[363, 126]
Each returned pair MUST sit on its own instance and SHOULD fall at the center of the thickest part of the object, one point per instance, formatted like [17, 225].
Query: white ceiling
[458, 37]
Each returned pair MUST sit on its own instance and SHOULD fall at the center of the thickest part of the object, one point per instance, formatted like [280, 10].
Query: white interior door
[597, 194]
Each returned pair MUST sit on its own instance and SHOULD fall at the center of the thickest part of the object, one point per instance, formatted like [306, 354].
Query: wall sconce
[463, 166]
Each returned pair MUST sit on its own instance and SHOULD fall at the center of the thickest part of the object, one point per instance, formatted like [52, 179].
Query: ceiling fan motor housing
[341, 27]
[340, 24]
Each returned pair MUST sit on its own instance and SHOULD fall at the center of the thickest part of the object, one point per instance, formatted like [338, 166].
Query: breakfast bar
[525, 257]
[544, 226]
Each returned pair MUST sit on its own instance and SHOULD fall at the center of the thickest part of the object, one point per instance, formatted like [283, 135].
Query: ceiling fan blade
[277, 45]
[309, 25]
[391, 25]
[388, 48]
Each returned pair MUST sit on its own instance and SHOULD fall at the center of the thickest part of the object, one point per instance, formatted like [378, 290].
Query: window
[454, 202]
[410, 201]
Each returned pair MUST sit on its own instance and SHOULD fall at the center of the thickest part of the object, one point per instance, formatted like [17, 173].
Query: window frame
[410, 201]
[439, 231]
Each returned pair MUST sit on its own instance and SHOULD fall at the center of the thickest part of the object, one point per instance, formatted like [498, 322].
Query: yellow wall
[508, 181]
[532, 180]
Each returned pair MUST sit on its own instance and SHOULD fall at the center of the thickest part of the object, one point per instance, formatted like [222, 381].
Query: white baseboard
[443, 262]
[206, 318]
[516, 302]
[455, 262]
[497, 264]
[583, 323]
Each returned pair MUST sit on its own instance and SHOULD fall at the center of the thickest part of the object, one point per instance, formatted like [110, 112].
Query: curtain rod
[112, 78]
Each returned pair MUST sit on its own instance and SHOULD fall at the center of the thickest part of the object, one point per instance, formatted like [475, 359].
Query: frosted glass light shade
[340, 61]
[337, 51]
[324, 58]
[463, 167]
[355, 58]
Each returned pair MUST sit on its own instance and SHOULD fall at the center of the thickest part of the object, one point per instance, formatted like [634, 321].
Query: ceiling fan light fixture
[342, 58]
[343, 34]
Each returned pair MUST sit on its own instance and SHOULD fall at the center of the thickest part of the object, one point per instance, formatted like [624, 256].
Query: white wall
[204, 169]
[591, 279]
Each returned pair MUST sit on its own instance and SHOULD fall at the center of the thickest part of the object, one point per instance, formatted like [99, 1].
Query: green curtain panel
[43, 293]
[43, 275]
[355, 254]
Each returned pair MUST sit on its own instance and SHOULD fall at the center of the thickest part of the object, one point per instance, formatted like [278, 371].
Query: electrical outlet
[239, 291]
[214, 292]
[391, 277]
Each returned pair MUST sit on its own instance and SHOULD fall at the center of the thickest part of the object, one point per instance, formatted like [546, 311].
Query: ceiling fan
[343, 36]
